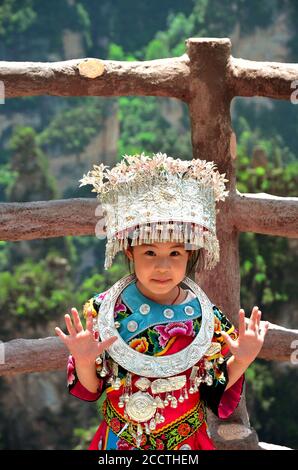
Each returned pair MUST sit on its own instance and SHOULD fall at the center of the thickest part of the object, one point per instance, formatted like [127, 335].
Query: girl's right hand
[81, 343]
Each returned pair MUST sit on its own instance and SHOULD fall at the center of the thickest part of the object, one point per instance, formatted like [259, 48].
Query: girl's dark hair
[194, 265]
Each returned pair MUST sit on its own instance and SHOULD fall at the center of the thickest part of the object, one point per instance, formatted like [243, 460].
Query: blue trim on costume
[134, 298]
[112, 441]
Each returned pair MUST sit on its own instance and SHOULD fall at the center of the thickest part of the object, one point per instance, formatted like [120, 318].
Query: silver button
[132, 326]
[189, 310]
[168, 313]
[144, 309]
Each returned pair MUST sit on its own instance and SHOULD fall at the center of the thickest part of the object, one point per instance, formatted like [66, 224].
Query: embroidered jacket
[156, 329]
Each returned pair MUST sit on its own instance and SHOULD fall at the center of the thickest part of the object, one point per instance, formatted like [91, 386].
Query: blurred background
[47, 143]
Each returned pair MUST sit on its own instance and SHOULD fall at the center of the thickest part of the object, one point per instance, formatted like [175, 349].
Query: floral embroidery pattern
[115, 425]
[71, 377]
[139, 344]
[174, 329]
[123, 445]
[184, 429]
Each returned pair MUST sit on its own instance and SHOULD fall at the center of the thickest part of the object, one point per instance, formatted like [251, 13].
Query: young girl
[154, 343]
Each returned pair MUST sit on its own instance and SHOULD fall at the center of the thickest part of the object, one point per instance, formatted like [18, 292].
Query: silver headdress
[159, 199]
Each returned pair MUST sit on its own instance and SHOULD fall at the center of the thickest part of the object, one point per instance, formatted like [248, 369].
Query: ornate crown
[159, 199]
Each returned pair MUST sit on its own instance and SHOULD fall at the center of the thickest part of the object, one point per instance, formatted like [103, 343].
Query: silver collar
[157, 366]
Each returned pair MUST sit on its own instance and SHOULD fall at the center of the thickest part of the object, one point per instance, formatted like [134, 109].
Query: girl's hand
[250, 339]
[81, 343]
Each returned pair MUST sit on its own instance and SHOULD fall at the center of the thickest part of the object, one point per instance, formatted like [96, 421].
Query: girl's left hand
[250, 339]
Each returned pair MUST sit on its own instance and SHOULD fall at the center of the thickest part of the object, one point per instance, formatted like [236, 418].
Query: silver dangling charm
[104, 371]
[121, 402]
[181, 397]
[161, 417]
[147, 430]
[152, 424]
[116, 382]
[174, 402]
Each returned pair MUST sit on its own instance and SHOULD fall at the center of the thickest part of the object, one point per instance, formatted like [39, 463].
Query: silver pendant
[143, 384]
[141, 407]
[168, 385]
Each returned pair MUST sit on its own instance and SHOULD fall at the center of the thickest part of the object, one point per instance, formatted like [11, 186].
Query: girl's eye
[176, 252]
[150, 251]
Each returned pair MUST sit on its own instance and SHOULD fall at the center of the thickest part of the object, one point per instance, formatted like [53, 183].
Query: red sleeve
[75, 387]
[230, 398]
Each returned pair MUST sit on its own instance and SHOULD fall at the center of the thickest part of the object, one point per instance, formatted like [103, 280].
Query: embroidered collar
[146, 313]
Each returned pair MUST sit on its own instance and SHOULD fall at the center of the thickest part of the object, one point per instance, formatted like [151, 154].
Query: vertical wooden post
[212, 134]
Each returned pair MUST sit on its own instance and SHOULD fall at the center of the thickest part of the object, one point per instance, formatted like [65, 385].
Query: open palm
[82, 343]
[251, 337]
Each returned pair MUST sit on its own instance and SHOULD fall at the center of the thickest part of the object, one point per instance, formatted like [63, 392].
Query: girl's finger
[89, 321]
[252, 324]
[106, 344]
[76, 320]
[241, 327]
[60, 333]
[259, 319]
[69, 325]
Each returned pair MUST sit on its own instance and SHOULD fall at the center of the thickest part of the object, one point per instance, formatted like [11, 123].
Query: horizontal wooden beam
[96, 77]
[280, 344]
[41, 355]
[46, 219]
[259, 213]
[169, 77]
[32, 355]
[267, 79]
[264, 213]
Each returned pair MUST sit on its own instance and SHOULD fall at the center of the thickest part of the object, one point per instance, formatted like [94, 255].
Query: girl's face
[159, 261]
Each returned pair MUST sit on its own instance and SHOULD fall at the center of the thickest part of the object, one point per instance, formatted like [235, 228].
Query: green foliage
[34, 293]
[31, 178]
[7, 180]
[15, 19]
[72, 129]
[83, 437]
[266, 165]
[3, 256]
[100, 282]
[268, 384]
[144, 128]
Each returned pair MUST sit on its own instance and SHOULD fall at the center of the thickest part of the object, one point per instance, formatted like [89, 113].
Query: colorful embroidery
[167, 437]
[139, 344]
[173, 329]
